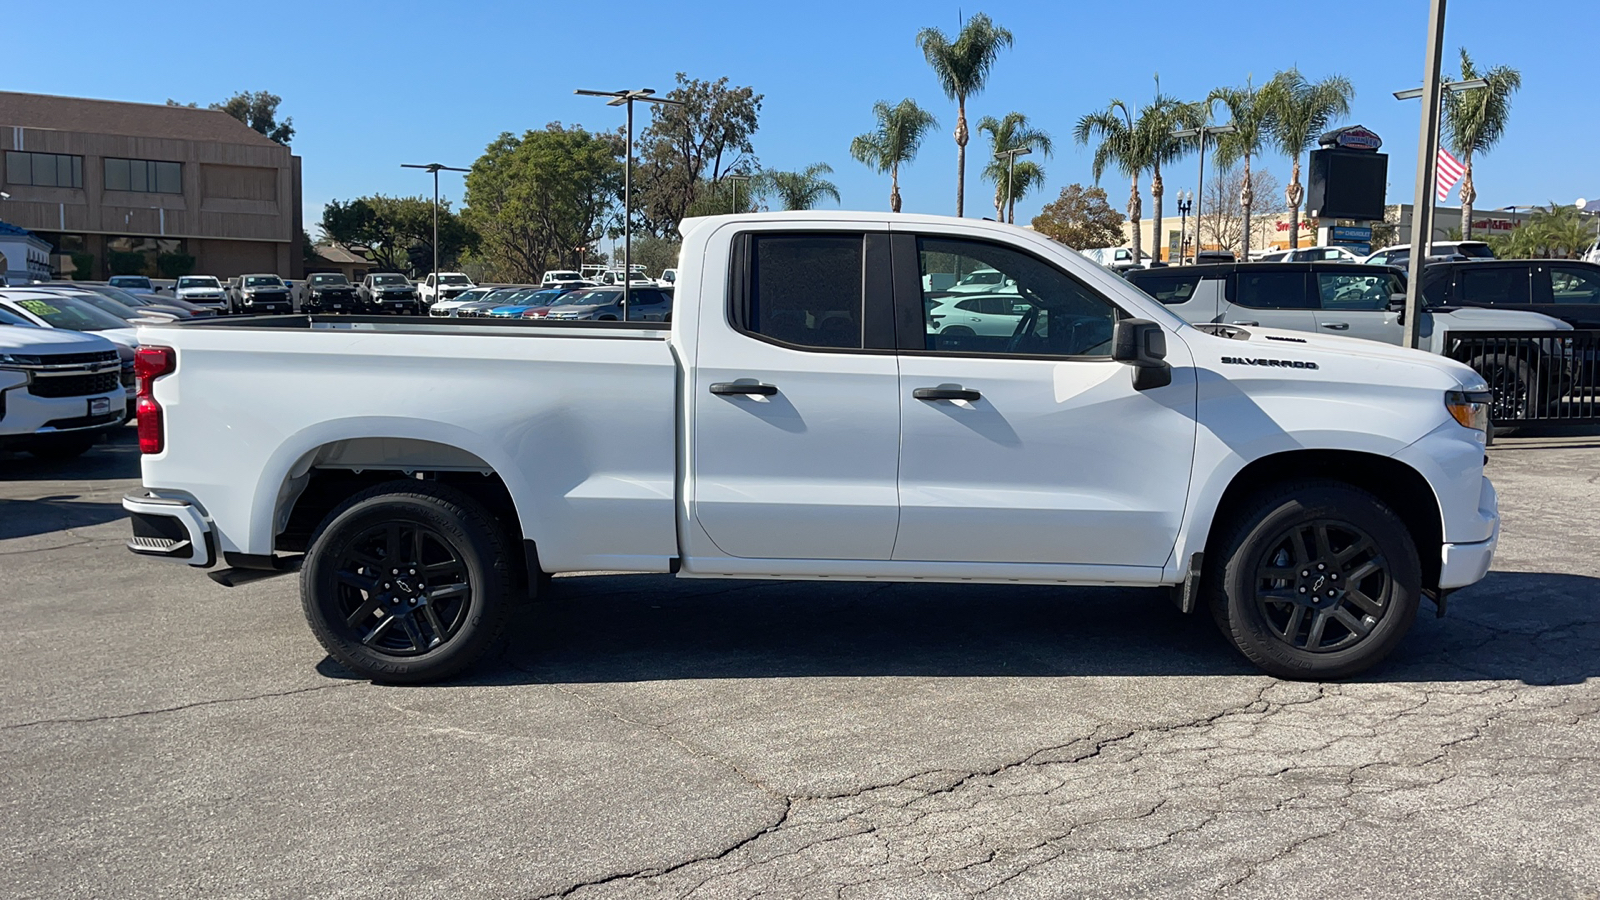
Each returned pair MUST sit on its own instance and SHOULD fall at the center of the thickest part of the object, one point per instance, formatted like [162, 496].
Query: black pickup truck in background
[325, 293]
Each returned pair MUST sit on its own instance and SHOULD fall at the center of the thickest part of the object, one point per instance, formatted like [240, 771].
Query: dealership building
[118, 187]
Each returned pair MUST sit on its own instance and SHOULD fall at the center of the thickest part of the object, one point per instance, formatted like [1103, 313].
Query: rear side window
[806, 289]
[1496, 285]
[1357, 289]
[1169, 289]
[1273, 290]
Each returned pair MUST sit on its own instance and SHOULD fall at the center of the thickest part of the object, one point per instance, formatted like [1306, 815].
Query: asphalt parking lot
[645, 737]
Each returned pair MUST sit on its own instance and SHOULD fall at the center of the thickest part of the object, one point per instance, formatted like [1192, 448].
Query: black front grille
[66, 359]
[109, 418]
[75, 385]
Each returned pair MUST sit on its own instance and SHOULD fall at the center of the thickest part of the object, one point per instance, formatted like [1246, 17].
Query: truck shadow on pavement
[115, 456]
[1528, 627]
[26, 518]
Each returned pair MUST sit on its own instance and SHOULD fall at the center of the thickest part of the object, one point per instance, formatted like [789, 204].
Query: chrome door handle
[734, 388]
[1337, 326]
[1257, 324]
[940, 393]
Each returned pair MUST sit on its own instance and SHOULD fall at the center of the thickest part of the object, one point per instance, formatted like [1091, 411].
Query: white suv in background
[204, 290]
[59, 389]
[442, 286]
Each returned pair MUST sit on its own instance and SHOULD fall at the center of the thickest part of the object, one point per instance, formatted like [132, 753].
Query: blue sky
[355, 78]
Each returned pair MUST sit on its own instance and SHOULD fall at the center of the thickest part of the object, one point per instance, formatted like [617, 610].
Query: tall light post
[1204, 133]
[1011, 167]
[735, 179]
[1431, 92]
[434, 168]
[627, 98]
[1185, 203]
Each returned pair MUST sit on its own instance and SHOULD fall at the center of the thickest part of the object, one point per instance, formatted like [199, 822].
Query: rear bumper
[169, 528]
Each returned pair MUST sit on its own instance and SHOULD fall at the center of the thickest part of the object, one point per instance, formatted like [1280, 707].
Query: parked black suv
[1564, 289]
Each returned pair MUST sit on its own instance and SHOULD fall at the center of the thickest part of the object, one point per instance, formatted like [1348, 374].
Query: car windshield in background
[389, 279]
[454, 279]
[198, 282]
[1167, 288]
[119, 295]
[262, 281]
[110, 307]
[1475, 250]
[589, 298]
[70, 313]
[7, 317]
[328, 279]
[138, 281]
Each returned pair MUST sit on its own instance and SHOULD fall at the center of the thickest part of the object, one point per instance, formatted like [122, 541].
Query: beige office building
[113, 185]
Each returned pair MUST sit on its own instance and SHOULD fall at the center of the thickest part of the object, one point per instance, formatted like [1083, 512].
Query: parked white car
[1312, 254]
[48, 309]
[669, 278]
[1400, 254]
[990, 315]
[204, 290]
[1307, 488]
[1117, 259]
[442, 286]
[60, 390]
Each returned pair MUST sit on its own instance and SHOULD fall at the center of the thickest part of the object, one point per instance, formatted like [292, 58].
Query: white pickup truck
[801, 418]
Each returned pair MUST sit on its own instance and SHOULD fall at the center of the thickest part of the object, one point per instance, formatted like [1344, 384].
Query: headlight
[1469, 408]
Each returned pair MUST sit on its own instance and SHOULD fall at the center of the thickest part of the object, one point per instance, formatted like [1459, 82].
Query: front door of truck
[1033, 447]
[796, 406]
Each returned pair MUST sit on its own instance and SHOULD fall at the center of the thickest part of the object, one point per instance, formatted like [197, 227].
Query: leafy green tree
[1121, 144]
[654, 253]
[691, 145]
[962, 67]
[1553, 232]
[1252, 126]
[798, 190]
[1013, 133]
[1301, 111]
[1081, 218]
[1156, 123]
[1474, 121]
[257, 109]
[535, 199]
[894, 143]
[394, 232]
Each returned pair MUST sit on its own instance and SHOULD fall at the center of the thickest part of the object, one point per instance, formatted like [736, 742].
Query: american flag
[1450, 172]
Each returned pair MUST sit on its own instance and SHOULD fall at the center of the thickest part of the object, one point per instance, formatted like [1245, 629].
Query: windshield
[389, 279]
[108, 305]
[561, 276]
[589, 298]
[472, 295]
[70, 313]
[118, 294]
[454, 279]
[1475, 250]
[130, 281]
[328, 279]
[262, 281]
[7, 317]
[198, 281]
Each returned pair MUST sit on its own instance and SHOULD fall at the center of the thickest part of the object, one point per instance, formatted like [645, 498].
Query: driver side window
[1029, 308]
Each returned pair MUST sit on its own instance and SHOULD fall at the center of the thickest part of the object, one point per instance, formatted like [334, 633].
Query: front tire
[1314, 580]
[408, 582]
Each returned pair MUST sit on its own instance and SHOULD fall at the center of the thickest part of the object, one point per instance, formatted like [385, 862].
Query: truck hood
[50, 340]
[1477, 318]
[1277, 343]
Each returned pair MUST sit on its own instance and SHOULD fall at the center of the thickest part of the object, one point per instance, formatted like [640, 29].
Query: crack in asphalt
[110, 717]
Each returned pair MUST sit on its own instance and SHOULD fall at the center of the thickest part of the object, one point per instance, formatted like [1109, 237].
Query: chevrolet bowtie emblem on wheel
[1277, 363]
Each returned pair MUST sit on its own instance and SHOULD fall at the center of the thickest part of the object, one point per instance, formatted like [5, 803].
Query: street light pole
[1185, 203]
[1431, 92]
[1203, 133]
[735, 179]
[434, 168]
[1011, 167]
[627, 98]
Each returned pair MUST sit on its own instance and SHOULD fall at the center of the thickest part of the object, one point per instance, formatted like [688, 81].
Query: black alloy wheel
[404, 589]
[1324, 587]
[1313, 579]
[409, 582]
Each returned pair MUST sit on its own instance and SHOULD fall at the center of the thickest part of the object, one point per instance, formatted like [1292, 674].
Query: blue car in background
[538, 300]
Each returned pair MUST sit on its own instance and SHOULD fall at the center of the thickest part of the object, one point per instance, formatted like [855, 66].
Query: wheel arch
[319, 468]
[1399, 486]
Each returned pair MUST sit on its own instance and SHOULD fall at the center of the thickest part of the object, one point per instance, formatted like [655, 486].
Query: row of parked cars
[563, 301]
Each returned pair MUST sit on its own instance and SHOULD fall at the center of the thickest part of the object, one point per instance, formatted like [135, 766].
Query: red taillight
[150, 363]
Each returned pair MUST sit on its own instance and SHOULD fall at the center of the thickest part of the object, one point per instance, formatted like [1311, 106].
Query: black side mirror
[1142, 344]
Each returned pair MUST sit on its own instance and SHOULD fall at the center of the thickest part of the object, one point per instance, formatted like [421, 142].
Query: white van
[1119, 259]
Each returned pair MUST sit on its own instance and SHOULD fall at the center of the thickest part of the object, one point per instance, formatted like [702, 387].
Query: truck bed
[577, 417]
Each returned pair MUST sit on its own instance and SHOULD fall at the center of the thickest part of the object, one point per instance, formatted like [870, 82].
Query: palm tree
[1301, 111]
[1252, 123]
[1157, 122]
[1012, 133]
[798, 190]
[1474, 121]
[895, 141]
[1121, 145]
[962, 67]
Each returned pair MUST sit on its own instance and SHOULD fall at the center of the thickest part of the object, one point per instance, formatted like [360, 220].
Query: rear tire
[408, 582]
[1314, 580]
